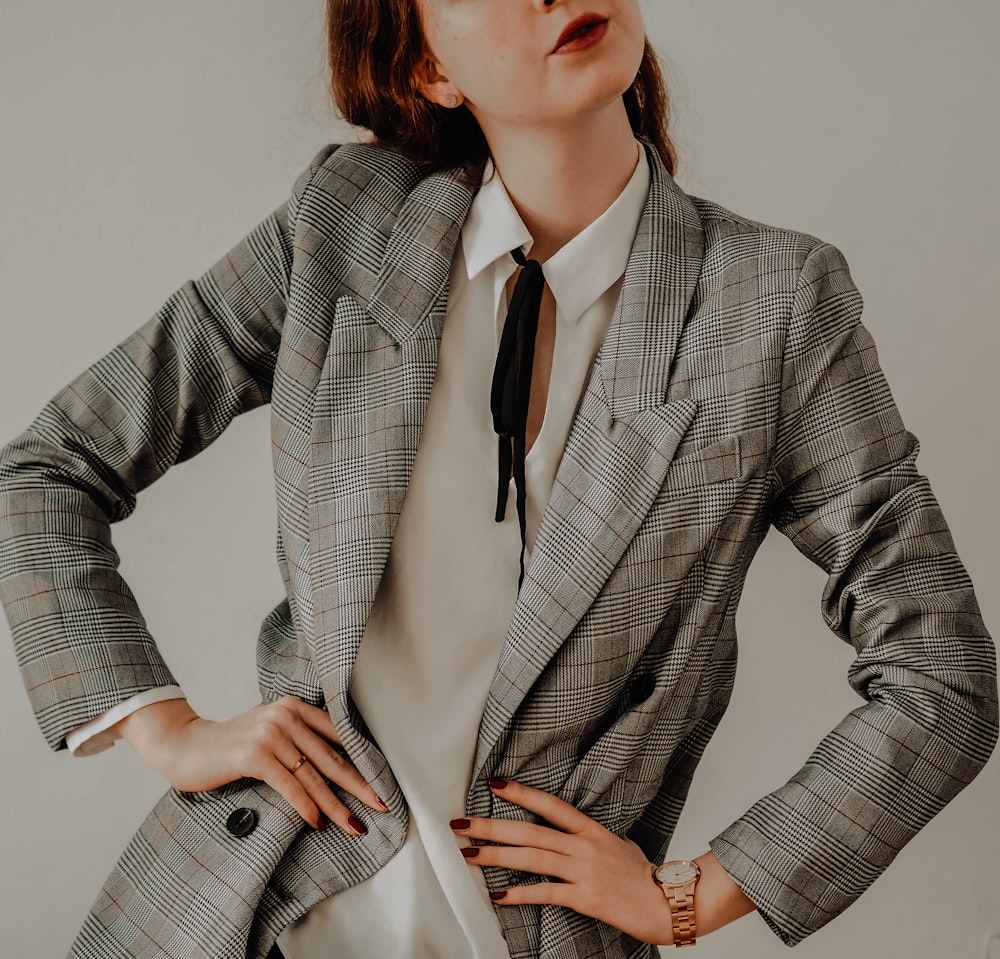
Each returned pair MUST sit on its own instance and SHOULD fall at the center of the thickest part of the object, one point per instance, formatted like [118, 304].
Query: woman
[733, 387]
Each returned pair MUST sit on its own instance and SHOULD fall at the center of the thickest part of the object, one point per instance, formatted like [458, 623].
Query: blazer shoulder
[737, 246]
[353, 199]
[363, 173]
[723, 226]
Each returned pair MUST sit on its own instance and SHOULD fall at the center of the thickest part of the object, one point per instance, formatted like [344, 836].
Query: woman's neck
[561, 179]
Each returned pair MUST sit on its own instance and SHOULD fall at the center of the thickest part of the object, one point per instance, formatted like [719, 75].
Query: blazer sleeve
[848, 495]
[160, 397]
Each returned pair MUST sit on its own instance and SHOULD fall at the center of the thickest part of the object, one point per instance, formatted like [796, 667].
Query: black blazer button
[241, 822]
[641, 689]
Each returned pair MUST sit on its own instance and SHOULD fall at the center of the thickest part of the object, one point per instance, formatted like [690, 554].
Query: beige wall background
[872, 125]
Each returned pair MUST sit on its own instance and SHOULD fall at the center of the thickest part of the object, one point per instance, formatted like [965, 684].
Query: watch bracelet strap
[681, 900]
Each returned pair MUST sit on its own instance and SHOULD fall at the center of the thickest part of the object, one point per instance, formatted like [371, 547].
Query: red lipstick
[581, 33]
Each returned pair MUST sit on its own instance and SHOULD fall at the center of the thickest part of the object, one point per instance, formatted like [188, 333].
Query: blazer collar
[413, 278]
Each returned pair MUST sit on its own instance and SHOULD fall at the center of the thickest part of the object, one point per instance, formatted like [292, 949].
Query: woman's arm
[163, 395]
[847, 493]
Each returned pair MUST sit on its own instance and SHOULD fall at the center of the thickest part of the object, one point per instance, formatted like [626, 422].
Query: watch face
[679, 872]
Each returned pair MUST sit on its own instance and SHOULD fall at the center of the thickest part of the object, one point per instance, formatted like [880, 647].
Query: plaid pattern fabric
[736, 389]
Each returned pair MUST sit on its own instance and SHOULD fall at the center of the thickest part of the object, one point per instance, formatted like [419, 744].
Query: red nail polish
[470, 852]
[460, 824]
[381, 802]
[321, 823]
[356, 825]
[498, 896]
[498, 784]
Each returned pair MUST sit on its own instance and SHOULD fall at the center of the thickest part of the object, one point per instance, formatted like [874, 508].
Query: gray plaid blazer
[736, 389]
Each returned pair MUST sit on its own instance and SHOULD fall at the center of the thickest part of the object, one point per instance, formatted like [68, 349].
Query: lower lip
[591, 38]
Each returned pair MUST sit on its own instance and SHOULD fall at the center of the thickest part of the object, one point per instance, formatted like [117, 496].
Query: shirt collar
[584, 268]
[493, 227]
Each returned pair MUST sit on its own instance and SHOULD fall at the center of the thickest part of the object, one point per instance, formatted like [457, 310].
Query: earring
[451, 100]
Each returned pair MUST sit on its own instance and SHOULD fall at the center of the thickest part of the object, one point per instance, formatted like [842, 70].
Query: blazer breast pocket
[715, 463]
[694, 501]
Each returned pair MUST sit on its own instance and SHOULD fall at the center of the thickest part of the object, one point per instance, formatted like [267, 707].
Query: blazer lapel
[619, 448]
[368, 417]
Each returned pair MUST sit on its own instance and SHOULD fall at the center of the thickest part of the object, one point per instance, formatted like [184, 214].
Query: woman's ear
[434, 86]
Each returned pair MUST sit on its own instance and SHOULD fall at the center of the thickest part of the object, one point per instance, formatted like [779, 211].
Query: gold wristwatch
[677, 878]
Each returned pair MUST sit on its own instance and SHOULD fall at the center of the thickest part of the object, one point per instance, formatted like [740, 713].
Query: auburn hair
[375, 49]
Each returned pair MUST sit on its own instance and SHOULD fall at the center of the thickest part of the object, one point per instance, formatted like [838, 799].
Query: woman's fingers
[512, 832]
[307, 760]
[552, 809]
[307, 793]
[330, 763]
[537, 893]
[303, 780]
[540, 862]
[280, 778]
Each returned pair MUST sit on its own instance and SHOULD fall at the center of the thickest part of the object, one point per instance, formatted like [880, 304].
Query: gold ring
[298, 765]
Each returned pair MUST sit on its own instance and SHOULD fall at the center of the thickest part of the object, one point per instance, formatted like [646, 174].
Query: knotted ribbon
[511, 389]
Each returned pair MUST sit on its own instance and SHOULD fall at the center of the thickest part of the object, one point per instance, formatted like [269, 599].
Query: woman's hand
[589, 869]
[266, 743]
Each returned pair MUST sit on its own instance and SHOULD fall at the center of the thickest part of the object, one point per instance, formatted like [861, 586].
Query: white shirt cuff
[96, 735]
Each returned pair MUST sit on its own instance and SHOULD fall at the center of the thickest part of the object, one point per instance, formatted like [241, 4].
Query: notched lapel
[369, 413]
[414, 275]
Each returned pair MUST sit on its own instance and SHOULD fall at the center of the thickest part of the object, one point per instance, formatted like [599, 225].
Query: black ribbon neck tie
[511, 390]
